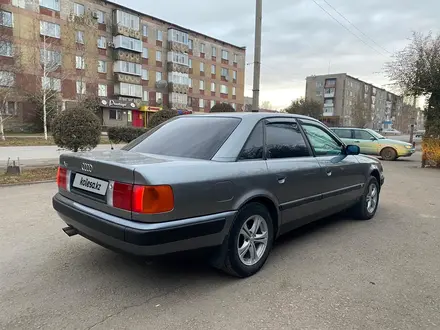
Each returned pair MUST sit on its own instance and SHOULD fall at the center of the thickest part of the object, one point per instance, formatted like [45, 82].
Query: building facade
[339, 94]
[135, 63]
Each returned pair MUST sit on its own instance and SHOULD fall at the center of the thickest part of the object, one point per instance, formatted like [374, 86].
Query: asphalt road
[335, 274]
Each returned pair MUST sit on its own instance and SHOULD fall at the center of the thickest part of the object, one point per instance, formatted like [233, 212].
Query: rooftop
[177, 27]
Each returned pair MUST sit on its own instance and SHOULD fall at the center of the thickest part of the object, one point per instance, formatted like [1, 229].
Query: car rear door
[294, 174]
[366, 142]
[343, 175]
[345, 134]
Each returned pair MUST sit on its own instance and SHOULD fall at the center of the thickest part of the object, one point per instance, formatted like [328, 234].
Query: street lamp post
[257, 56]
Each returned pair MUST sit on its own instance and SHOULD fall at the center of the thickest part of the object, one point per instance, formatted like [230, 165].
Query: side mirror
[352, 150]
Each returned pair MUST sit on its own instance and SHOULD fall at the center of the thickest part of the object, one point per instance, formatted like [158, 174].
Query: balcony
[128, 43]
[128, 90]
[178, 41]
[125, 31]
[329, 92]
[178, 88]
[328, 111]
[120, 77]
[178, 47]
[177, 67]
[122, 55]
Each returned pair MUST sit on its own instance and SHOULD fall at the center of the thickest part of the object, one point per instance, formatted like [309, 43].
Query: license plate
[88, 183]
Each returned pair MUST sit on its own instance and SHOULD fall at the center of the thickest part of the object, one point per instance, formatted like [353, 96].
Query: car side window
[322, 142]
[253, 149]
[343, 133]
[362, 135]
[284, 140]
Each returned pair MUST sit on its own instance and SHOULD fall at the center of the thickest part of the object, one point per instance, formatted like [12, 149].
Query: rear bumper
[144, 239]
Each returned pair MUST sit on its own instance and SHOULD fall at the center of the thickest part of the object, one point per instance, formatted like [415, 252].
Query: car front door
[294, 173]
[366, 142]
[343, 175]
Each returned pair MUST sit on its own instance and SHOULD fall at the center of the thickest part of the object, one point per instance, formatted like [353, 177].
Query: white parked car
[391, 131]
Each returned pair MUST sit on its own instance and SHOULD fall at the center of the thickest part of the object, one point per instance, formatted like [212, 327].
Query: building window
[202, 48]
[234, 75]
[128, 90]
[102, 90]
[223, 89]
[51, 59]
[80, 87]
[212, 87]
[214, 51]
[6, 18]
[115, 114]
[145, 97]
[178, 78]
[50, 29]
[202, 85]
[225, 54]
[201, 103]
[212, 103]
[178, 36]
[159, 98]
[144, 74]
[159, 35]
[51, 4]
[144, 52]
[190, 63]
[145, 30]
[80, 62]
[79, 37]
[127, 20]
[234, 91]
[51, 83]
[128, 68]
[102, 66]
[319, 84]
[10, 109]
[158, 76]
[235, 58]
[6, 48]
[179, 58]
[212, 69]
[158, 56]
[78, 9]
[102, 42]
[190, 44]
[224, 72]
[202, 67]
[7, 79]
[121, 41]
[100, 16]
[129, 116]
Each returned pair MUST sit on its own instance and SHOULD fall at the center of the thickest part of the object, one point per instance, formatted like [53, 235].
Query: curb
[25, 183]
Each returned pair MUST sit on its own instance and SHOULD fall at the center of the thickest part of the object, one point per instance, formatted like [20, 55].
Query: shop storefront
[143, 115]
[117, 112]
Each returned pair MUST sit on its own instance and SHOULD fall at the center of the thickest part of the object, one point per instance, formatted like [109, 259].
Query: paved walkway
[40, 155]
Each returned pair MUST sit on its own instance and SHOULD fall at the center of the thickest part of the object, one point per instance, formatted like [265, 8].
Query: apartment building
[339, 93]
[135, 63]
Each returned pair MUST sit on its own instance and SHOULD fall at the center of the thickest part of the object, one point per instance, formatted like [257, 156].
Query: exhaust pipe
[70, 231]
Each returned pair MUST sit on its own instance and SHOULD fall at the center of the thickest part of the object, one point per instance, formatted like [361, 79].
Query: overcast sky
[300, 39]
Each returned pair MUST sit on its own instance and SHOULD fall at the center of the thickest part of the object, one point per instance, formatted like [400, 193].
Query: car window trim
[285, 120]
[249, 136]
[329, 131]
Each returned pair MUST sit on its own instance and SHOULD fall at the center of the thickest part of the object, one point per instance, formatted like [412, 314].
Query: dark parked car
[232, 181]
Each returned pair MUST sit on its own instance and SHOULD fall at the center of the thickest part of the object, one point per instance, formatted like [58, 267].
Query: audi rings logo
[87, 167]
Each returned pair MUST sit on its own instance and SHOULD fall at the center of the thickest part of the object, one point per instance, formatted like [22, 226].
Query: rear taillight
[141, 199]
[62, 177]
[122, 193]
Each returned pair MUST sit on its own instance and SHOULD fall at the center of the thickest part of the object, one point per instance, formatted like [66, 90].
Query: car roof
[347, 128]
[254, 115]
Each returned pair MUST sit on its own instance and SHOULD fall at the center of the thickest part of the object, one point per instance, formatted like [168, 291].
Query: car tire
[388, 154]
[232, 263]
[362, 210]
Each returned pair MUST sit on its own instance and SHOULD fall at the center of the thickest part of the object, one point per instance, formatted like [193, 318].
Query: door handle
[281, 179]
[357, 141]
[328, 171]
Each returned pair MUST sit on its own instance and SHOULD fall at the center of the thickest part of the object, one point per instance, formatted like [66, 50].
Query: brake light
[152, 199]
[62, 177]
[141, 199]
[122, 195]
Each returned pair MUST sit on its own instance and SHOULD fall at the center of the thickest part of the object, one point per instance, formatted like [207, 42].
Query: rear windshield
[187, 136]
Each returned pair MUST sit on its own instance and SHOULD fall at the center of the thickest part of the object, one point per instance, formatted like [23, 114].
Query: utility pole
[257, 56]
[413, 111]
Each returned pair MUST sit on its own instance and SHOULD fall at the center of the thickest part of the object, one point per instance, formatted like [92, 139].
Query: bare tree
[266, 105]
[361, 113]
